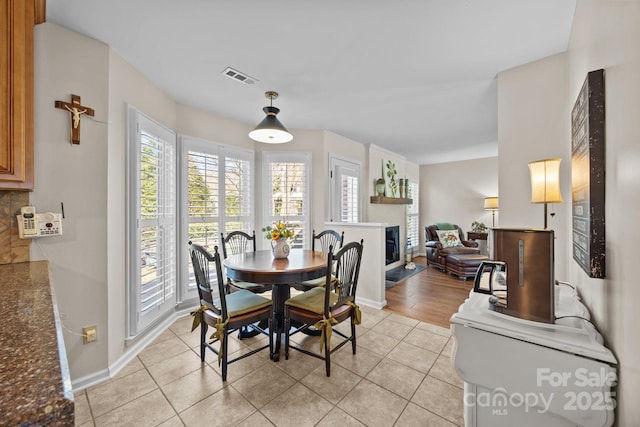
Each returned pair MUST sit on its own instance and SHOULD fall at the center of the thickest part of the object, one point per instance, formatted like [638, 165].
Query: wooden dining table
[262, 267]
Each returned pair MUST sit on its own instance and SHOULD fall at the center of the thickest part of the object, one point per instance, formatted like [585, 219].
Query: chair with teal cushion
[323, 307]
[226, 313]
[325, 240]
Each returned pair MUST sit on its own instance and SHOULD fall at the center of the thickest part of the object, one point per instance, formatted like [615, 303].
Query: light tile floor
[401, 376]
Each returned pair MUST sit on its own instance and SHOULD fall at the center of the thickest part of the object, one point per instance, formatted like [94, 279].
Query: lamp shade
[491, 203]
[545, 181]
[270, 130]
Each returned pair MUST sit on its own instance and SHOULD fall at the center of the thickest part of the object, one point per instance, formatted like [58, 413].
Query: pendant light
[270, 130]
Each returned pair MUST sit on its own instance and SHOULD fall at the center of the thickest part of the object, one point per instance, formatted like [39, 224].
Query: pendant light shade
[270, 130]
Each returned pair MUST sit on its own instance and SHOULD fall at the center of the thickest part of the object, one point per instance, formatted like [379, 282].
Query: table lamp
[545, 183]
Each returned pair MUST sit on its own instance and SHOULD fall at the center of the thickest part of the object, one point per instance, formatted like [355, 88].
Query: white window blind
[152, 214]
[287, 192]
[413, 214]
[238, 193]
[217, 192]
[344, 190]
[203, 200]
[349, 199]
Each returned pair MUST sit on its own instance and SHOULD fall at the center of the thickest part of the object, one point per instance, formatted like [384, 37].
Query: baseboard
[90, 380]
[133, 348]
[371, 303]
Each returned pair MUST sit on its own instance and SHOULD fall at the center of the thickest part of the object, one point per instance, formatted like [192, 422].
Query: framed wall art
[588, 175]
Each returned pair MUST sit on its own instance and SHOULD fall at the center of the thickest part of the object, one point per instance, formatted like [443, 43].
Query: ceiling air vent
[238, 76]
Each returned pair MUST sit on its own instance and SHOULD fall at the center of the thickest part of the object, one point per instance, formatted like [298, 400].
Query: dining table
[281, 273]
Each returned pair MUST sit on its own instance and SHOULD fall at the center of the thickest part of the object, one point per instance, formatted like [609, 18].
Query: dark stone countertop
[35, 385]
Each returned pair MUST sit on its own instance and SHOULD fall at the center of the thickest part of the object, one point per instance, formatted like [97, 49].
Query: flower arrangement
[279, 230]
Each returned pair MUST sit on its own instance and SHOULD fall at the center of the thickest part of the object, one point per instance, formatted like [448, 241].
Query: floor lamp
[545, 183]
[491, 204]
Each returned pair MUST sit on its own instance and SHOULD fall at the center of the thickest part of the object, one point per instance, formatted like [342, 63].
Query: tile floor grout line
[126, 403]
[90, 408]
[333, 406]
[250, 403]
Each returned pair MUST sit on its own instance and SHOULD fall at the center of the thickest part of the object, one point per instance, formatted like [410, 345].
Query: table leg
[280, 293]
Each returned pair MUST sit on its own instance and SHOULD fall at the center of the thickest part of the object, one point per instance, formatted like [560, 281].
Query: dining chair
[226, 313]
[325, 240]
[323, 307]
[238, 242]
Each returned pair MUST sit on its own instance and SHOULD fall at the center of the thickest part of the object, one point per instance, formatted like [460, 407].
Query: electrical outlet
[89, 334]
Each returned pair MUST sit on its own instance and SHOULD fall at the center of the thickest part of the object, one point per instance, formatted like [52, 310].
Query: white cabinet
[524, 373]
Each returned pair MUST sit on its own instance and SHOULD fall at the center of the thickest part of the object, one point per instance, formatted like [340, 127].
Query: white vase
[280, 248]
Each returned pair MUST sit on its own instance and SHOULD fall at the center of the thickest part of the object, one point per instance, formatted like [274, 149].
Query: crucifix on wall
[76, 110]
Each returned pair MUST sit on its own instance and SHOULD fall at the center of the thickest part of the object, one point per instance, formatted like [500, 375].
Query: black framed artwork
[588, 175]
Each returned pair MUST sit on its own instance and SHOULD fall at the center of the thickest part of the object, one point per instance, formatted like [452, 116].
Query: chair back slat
[347, 269]
[201, 259]
[327, 239]
[237, 242]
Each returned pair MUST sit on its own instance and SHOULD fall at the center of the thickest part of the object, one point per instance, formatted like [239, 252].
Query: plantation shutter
[154, 202]
[287, 190]
[413, 214]
[349, 206]
[217, 190]
[238, 194]
[344, 190]
[203, 199]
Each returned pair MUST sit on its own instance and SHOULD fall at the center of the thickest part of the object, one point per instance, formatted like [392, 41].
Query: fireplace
[392, 244]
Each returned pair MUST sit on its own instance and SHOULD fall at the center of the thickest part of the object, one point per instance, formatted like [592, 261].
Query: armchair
[437, 252]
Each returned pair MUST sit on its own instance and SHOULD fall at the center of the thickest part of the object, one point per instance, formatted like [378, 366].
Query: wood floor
[430, 296]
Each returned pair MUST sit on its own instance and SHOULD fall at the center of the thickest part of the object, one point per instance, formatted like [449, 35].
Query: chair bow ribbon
[219, 334]
[197, 317]
[325, 328]
[357, 314]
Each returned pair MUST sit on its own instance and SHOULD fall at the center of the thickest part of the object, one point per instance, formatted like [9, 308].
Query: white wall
[454, 192]
[606, 34]
[532, 125]
[77, 176]
[371, 282]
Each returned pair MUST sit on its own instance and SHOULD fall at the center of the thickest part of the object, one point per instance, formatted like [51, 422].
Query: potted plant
[478, 227]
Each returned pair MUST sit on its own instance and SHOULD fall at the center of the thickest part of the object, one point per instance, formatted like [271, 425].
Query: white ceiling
[417, 77]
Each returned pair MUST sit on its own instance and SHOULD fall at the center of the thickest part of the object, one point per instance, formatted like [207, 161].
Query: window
[344, 193]
[216, 188]
[413, 214]
[286, 189]
[152, 221]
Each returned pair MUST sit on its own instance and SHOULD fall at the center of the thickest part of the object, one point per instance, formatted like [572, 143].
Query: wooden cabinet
[17, 19]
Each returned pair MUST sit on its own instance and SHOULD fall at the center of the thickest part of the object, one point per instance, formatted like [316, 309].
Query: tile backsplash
[12, 248]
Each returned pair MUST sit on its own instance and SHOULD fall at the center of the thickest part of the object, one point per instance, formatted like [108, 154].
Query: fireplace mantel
[391, 200]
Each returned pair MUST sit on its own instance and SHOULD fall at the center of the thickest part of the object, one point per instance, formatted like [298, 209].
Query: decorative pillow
[449, 238]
